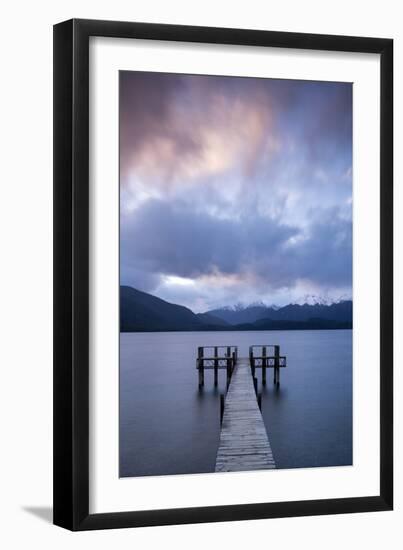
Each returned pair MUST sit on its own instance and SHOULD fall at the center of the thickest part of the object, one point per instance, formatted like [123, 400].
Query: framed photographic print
[223, 274]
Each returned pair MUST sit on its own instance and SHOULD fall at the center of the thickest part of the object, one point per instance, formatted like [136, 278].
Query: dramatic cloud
[235, 189]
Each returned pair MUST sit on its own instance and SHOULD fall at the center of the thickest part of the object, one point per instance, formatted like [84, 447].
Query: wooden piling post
[255, 384]
[222, 404]
[264, 364]
[259, 401]
[229, 370]
[200, 366]
[277, 365]
[252, 361]
[215, 366]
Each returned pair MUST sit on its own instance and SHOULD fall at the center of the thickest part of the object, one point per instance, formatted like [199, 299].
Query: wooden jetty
[260, 358]
[216, 357]
[244, 443]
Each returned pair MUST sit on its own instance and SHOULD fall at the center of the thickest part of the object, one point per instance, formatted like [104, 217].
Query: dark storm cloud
[144, 109]
[323, 255]
[173, 239]
[321, 123]
[163, 114]
[235, 177]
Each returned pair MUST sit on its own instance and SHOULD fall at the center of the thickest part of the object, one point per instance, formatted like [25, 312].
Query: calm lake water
[168, 426]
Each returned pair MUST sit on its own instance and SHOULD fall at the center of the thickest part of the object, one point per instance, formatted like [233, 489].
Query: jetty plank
[244, 444]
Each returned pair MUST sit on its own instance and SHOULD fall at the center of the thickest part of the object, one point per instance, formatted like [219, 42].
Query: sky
[235, 190]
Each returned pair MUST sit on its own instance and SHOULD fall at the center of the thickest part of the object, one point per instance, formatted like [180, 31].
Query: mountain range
[142, 312]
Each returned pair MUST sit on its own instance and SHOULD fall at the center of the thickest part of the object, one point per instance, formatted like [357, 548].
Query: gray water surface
[169, 426]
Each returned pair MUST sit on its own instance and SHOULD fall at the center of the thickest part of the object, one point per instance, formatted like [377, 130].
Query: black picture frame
[71, 274]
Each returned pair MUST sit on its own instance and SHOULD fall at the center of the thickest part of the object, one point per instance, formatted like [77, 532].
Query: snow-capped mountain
[310, 307]
[314, 299]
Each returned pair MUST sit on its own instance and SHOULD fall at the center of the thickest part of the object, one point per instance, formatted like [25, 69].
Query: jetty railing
[216, 358]
[266, 357]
